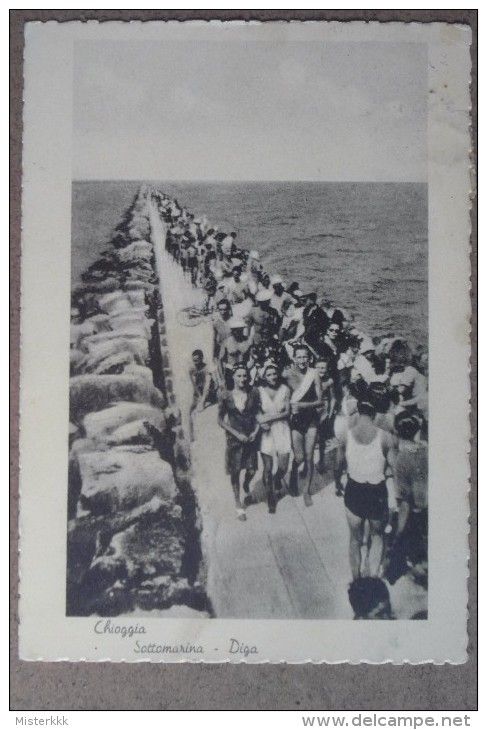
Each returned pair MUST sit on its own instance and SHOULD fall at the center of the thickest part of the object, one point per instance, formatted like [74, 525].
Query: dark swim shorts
[368, 501]
[304, 420]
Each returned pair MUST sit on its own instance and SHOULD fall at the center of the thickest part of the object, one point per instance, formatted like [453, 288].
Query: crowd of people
[297, 382]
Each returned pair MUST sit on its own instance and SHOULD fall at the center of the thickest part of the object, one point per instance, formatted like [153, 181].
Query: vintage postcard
[245, 342]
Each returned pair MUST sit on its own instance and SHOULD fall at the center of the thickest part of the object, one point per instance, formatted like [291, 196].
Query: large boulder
[116, 301]
[79, 446]
[138, 250]
[139, 286]
[79, 331]
[135, 432]
[134, 321]
[123, 478]
[101, 322]
[180, 598]
[139, 228]
[102, 424]
[150, 549]
[141, 275]
[113, 364]
[89, 393]
[106, 344]
[91, 326]
[89, 535]
[141, 371]
[109, 285]
[77, 360]
[136, 296]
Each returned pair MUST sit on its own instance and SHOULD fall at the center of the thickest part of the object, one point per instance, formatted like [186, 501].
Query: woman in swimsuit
[305, 386]
[275, 442]
[237, 415]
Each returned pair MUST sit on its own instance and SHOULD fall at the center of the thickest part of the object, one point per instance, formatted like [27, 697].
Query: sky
[260, 110]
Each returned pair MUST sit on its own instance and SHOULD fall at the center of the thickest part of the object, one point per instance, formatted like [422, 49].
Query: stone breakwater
[133, 520]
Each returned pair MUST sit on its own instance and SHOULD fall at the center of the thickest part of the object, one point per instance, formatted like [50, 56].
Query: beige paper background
[45, 633]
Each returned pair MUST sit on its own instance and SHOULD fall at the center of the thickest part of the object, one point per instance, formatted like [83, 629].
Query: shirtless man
[221, 325]
[306, 399]
[263, 319]
[327, 410]
[203, 387]
[237, 292]
[235, 350]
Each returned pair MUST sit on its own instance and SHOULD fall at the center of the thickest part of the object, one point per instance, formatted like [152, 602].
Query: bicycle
[193, 315]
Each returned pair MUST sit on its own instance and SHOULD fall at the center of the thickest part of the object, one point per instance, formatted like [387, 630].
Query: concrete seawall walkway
[293, 564]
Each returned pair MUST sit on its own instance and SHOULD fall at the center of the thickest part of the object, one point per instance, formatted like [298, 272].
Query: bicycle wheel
[190, 316]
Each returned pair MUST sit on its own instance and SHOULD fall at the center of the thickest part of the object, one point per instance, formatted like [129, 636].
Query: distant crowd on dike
[292, 375]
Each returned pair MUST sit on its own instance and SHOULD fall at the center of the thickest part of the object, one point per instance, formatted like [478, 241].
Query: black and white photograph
[250, 295]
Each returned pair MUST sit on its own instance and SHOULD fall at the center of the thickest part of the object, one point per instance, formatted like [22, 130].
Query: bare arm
[206, 388]
[389, 448]
[341, 429]
[419, 394]
[223, 423]
[270, 417]
[403, 514]
[220, 363]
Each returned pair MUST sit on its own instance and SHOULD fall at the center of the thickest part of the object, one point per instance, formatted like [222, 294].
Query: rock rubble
[133, 520]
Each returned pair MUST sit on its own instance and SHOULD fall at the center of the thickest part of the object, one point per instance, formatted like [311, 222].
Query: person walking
[368, 452]
[306, 399]
[237, 415]
[275, 440]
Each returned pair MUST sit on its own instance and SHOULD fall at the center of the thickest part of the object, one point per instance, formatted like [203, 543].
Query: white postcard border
[45, 632]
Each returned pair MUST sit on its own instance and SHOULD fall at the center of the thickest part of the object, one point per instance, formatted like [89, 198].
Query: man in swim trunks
[326, 411]
[368, 452]
[221, 325]
[204, 390]
[306, 399]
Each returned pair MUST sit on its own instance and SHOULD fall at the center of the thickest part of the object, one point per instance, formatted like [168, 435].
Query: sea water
[363, 245]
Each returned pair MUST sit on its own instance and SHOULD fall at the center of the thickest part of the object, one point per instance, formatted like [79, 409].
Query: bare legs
[303, 464]
[282, 465]
[321, 466]
[339, 464]
[235, 480]
[374, 547]
[191, 423]
[267, 478]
